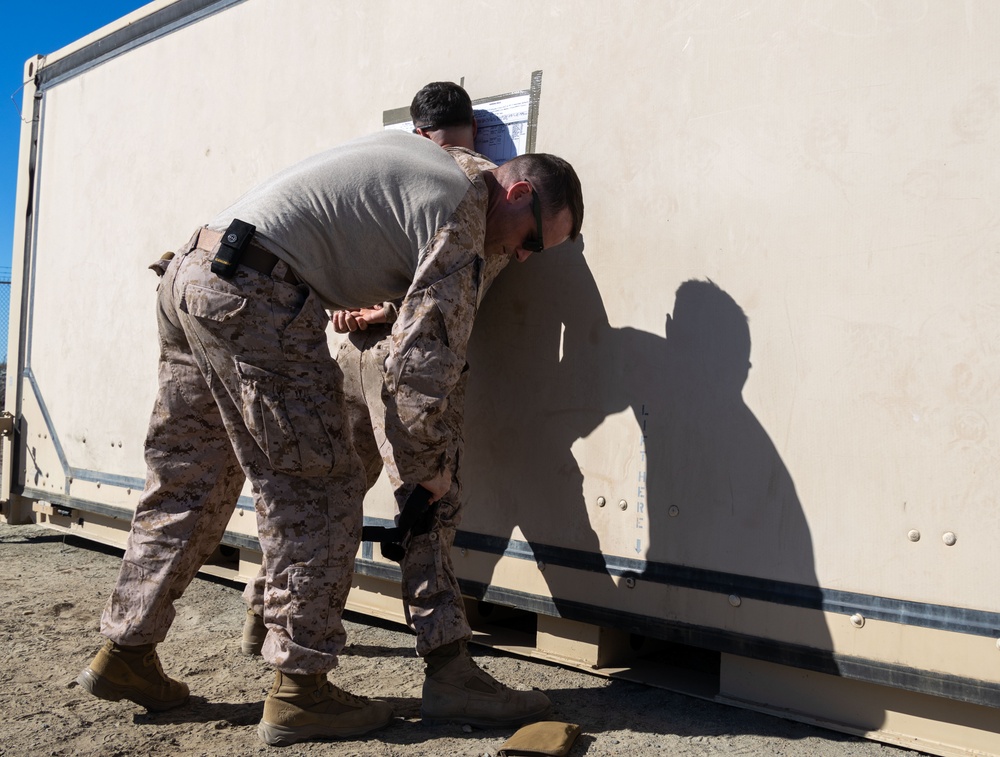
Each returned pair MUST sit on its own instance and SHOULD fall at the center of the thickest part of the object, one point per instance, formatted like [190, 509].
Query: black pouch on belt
[234, 241]
[416, 518]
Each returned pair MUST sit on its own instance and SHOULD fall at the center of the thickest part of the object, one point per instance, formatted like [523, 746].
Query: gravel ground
[53, 589]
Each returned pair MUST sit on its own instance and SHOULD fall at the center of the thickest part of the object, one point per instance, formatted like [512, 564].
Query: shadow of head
[708, 337]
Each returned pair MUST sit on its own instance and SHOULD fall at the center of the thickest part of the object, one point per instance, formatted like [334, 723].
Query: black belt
[255, 256]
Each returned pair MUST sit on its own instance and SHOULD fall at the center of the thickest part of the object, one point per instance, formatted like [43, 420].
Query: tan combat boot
[133, 673]
[254, 633]
[301, 707]
[457, 690]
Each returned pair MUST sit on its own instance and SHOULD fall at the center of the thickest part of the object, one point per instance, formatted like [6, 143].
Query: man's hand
[356, 320]
[438, 486]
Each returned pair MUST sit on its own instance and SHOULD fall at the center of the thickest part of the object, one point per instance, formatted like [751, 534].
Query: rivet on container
[630, 582]
[623, 505]
[734, 600]
[858, 620]
[913, 535]
[541, 566]
[949, 538]
[674, 511]
[601, 502]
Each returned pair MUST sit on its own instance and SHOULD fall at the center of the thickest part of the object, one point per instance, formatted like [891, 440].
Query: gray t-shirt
[352, 221]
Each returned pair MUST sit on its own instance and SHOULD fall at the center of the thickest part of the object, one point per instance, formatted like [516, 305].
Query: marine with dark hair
[248, 390]
[439, 106]
[455, 688]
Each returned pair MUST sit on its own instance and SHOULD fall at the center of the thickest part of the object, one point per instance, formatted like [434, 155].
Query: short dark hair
[441, 104]
[554, 179]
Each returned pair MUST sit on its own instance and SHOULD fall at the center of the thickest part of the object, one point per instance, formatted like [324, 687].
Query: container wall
[758, 399]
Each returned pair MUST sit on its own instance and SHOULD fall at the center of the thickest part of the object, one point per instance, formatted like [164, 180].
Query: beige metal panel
[235, 99]
[826, 164]
[916, 649]
[916, 721]
[790, 154]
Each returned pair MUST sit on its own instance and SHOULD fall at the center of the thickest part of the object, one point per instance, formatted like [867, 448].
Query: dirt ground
[52, 589]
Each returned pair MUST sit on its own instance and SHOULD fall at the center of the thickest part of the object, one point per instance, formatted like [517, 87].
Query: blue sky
[28, 29]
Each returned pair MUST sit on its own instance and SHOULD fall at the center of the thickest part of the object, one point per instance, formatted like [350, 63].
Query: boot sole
[102, 689]
[276, 735]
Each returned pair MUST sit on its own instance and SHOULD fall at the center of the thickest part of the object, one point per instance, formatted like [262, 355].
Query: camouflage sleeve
[429, 339]
[391, 309]
[471, 161]
[491, 269]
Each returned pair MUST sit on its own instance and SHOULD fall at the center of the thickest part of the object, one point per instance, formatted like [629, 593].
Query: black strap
[416, 517]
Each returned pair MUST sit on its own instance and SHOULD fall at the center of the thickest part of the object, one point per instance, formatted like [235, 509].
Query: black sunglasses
[536, 244]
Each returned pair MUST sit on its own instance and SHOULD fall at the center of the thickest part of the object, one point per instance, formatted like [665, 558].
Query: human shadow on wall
[519, 469]
[712, 507]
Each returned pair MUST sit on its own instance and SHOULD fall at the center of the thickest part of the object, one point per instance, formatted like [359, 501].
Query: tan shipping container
[742, 440]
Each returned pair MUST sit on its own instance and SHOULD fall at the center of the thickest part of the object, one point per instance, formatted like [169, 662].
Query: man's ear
[517, 190]
[422, 133]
